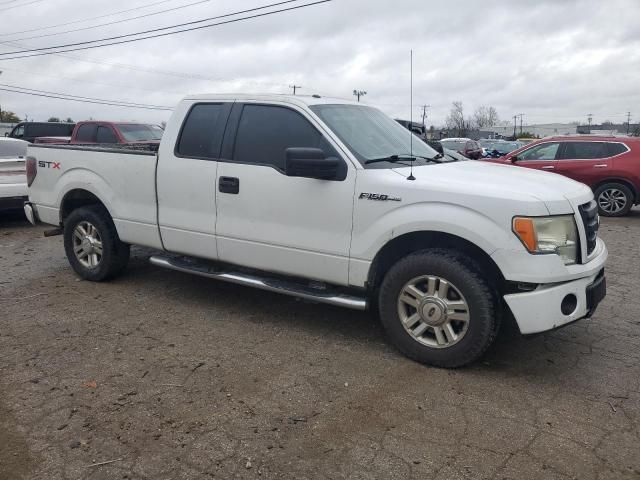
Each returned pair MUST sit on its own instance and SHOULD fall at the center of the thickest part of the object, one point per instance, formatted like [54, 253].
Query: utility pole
[628, 121]
[294, 87]
[589, 118]
[359, 93]
[424, 115]
[515, 120]
[521, 115]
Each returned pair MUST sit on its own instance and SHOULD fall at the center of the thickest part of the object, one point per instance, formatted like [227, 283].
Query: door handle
[548, 167]
[600, 165]
[229, 185]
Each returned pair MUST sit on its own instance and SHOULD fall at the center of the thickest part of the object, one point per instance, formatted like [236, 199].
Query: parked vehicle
[13, 176]
[290, 194]
[609, 165]
[500, 149]
[90, 132]
[29, 131]
[467, 147]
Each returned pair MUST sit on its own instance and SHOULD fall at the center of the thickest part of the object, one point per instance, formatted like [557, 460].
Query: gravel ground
[162, 375]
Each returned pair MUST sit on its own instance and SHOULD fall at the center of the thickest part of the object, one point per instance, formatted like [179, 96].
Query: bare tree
[455, 121]
[485, 116]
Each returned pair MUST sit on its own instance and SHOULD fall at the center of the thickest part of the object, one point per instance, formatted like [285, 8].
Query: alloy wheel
[612, 200]
[433, 311]
[87, 244]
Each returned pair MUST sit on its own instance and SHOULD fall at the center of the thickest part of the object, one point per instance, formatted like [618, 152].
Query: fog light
[569, 304]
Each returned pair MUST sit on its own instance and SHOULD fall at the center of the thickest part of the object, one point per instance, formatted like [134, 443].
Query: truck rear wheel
[92, 245]
[437, 309]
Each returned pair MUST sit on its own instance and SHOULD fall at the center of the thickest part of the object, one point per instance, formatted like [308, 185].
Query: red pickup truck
[98, 132]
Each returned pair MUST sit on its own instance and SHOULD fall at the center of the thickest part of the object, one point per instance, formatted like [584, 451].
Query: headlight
[557, 234]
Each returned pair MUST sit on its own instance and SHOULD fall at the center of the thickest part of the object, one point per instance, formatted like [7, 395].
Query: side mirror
[514, 158]
[6, 134]
[311, 163]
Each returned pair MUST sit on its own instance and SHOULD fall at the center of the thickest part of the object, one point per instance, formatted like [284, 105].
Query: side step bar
[271, 284]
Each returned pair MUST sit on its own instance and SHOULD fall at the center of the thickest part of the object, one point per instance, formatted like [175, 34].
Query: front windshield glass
[370, 134]
[140, 133]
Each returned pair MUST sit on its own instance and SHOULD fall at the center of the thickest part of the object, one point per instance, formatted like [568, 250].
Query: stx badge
[380, 197]
[43, 164]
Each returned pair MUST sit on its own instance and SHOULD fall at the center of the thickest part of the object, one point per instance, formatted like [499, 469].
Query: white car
[333, 201]
[13, 176]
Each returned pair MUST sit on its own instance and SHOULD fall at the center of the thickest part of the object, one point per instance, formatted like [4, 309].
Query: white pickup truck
[335, 202]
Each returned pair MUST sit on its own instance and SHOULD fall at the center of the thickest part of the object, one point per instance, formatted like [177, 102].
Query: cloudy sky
[553, 60]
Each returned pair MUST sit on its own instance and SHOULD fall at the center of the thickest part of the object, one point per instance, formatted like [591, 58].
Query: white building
[540, 130]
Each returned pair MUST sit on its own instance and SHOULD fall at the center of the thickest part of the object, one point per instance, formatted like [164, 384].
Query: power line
[146, 15]
[21, 5]
[144, 32]
[85, 19]
[76, 98]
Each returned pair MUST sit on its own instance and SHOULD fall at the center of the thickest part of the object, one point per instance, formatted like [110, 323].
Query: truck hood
[560, 194]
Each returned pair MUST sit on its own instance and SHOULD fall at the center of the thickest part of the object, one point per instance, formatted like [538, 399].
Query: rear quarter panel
[124, 183]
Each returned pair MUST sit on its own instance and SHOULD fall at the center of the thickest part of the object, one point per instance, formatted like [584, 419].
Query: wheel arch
[627, 183]
[405, 244]
[76, 198]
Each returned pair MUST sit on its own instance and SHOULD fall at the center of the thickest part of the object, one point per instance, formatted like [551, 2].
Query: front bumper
[542, 309]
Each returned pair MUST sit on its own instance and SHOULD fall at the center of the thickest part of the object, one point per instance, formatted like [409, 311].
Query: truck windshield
[140, 133]
[370, 134]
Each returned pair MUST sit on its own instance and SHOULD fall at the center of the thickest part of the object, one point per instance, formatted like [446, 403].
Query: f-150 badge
[380, 197]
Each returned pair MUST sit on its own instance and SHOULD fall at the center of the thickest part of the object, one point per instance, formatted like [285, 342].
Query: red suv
[609, 165]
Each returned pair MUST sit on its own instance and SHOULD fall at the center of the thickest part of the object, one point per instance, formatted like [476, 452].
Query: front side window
[370, 134]
[584, 150]
[18, 132]
[265, 133]
[86, 133]
[106, 135]
[544, 151]
[198, 139]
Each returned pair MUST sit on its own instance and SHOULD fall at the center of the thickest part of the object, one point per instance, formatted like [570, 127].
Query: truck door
[270, 221]
[186, 178]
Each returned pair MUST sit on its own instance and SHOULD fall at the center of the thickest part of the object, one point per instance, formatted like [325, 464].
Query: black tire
[115, 254]
[614, 209]
[462, 273]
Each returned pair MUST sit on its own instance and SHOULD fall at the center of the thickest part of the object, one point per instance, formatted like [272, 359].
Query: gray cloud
[554, 60]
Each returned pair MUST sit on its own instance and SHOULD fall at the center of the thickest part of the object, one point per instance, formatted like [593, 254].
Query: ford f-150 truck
[335, 202]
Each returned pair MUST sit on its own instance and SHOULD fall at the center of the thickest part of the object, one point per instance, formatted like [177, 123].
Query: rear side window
[49, 130]
[265, 133]
[106, 135]
[616, 148]
[198, 138]
[584, 150]
[86, 133]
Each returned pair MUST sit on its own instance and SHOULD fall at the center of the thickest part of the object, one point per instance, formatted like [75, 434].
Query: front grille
[589, 214]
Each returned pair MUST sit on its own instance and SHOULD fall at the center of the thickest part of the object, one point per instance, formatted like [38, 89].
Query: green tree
[69, 120]
[53, 119]
[8, 117]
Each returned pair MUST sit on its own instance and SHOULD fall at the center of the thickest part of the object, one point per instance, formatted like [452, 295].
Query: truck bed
[122, 176]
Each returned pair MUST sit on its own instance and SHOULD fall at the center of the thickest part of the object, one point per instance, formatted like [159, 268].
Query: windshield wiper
[404, 156]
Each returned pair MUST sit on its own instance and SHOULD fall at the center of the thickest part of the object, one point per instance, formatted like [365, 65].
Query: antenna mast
[411, 177]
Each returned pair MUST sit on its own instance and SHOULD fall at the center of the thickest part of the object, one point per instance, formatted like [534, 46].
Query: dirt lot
[169, 376]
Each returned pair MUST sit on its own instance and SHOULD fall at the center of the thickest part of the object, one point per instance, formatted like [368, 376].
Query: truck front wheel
[437, 309]
[92, 245]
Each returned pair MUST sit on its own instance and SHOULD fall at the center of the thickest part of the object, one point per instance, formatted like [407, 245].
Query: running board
[271, 284]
